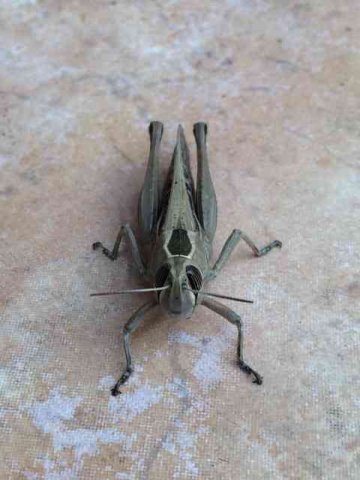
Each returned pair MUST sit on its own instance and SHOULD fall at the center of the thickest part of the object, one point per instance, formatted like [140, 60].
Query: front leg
[235, 319]
[129, 327]
[231, 243]
[113, 254]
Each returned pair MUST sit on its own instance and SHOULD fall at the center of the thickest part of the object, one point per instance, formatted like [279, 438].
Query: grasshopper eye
[194, 277]
[161, 275]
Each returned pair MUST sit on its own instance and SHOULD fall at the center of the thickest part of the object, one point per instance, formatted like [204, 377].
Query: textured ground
[278, 84]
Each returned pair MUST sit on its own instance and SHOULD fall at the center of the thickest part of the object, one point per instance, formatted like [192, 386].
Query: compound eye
[162, 275]
[194, 277]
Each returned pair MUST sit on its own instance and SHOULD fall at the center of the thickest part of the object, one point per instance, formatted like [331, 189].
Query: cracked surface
[279, 87]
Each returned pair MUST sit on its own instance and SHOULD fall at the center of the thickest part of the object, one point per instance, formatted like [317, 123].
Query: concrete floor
[278, 84]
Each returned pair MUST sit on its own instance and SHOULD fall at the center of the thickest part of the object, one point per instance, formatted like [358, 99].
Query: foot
[245, 368]
[265, 250]
[105, 251]
[276, 243]
[96, 245]
[115, 390]
[124, 377]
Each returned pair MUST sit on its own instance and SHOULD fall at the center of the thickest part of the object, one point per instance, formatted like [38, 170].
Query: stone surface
[278, 84]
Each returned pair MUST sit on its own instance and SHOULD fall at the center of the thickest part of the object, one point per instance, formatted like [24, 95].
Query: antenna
[135, 290]
[209, 294]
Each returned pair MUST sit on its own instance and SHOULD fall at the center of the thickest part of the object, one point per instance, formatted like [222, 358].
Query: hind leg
[150, 196]
[206, 205]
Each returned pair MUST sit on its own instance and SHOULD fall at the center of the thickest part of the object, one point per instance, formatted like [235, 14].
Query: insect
[177, 226]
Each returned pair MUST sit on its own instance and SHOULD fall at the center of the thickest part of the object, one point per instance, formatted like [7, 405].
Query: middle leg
[230, 245]
[113, 254]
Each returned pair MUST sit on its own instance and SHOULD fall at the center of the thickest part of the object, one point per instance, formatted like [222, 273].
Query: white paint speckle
[30, 475]
[4, 160]
[56, 417]
[106, 382]
[182, 443]
[21, 3]
[124, 476]
[207, 369]
[178, 387]
[49, 415]
[66, 474]
[184, 338]
[3, 379]
[134, 403]
[169, 445]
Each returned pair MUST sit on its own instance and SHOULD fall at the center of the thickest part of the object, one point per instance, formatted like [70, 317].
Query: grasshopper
[177, 226]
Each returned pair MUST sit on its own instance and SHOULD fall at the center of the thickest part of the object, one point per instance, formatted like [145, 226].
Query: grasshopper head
[180, 277]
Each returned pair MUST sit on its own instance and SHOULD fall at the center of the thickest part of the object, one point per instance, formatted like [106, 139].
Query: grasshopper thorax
[181, 277]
